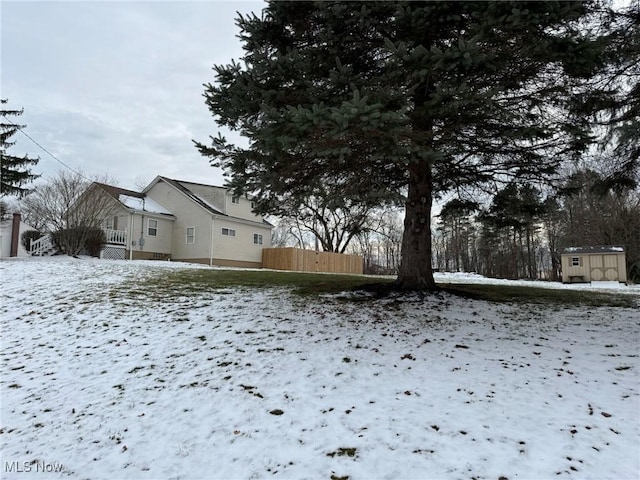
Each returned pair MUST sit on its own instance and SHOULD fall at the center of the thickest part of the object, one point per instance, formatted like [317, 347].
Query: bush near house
[28, 236]
[96, 240]
[74, 241]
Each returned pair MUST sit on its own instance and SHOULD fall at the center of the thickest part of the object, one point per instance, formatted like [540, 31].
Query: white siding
[221, 199]
[5, 239]
[188, 214]
[162, 242]
[242, 209]
[212, 195]
[241, 246]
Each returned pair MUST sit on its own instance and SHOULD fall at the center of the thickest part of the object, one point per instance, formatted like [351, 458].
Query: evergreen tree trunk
[415, 271]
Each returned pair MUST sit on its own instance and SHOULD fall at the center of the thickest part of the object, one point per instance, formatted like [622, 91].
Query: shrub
[28, 236]
[74, 241]
[96, 240]
[634, 273]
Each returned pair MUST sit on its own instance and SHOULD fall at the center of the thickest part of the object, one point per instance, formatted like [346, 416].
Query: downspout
[211, 244]
[130, 239]
[141, 242]
[141, 239]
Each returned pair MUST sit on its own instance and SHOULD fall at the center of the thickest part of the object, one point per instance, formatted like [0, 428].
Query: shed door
[597, 267]
[611, 267]
[604, 268]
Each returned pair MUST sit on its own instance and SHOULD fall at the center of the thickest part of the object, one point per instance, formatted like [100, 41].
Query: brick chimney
[15, 234]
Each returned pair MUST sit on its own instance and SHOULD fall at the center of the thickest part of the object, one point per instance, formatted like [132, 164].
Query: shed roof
[595, 249]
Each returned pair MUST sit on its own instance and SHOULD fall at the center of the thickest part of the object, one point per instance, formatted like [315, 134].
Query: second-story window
[235, 200]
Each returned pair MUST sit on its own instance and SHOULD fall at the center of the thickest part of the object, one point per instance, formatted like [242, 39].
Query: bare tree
[320, 222]
[333, 225]
[380, 244]
[71, 207]
[5, 214]
[290, 233]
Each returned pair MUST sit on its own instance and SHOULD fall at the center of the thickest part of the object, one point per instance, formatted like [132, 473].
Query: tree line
[522, 232]
[518, 233]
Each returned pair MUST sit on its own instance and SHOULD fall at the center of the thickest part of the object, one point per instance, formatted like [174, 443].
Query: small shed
[594, 264]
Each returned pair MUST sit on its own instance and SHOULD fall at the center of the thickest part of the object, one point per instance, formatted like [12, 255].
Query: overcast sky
[115, 87]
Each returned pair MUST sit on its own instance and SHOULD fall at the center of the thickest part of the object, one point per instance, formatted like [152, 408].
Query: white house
[211, 225]
[136, 227]
[183, 221]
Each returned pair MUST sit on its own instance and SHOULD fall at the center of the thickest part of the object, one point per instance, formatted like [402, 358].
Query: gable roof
[134, 201]
[595, 249]
[116, 191]
[183, 187]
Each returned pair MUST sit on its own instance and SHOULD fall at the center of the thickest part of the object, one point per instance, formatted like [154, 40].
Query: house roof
[595, 249]
[183, 186]
[143, 204]
[135, 201]
[117, 191]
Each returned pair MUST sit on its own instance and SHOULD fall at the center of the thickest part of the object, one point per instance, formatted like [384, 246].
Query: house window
[191, 235]
[152, 227]
[257, 239]
[235, 200]
[111, 223]
[229, 232]
[575, 261]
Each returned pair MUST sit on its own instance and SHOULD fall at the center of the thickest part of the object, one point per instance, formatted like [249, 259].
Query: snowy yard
[104, 378]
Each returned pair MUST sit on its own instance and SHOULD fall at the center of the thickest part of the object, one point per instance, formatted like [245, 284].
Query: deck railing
[116, 237]
[41, 246]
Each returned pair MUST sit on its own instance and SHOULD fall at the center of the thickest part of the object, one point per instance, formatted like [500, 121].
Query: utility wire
[19, 128]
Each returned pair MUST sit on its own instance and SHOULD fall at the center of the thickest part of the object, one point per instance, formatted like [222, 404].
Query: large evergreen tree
[400, 101]
[611, 99]
[15, 171]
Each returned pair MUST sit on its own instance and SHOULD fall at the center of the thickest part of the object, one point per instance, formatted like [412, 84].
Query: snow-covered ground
[104, 378]
[473, 278]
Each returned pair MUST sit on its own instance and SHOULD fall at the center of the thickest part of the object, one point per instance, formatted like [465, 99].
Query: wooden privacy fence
[301, 260]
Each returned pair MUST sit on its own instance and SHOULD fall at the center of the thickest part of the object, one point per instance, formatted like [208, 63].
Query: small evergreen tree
[14, 171]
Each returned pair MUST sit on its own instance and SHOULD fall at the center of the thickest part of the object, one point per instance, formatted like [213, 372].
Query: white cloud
[116, 87]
